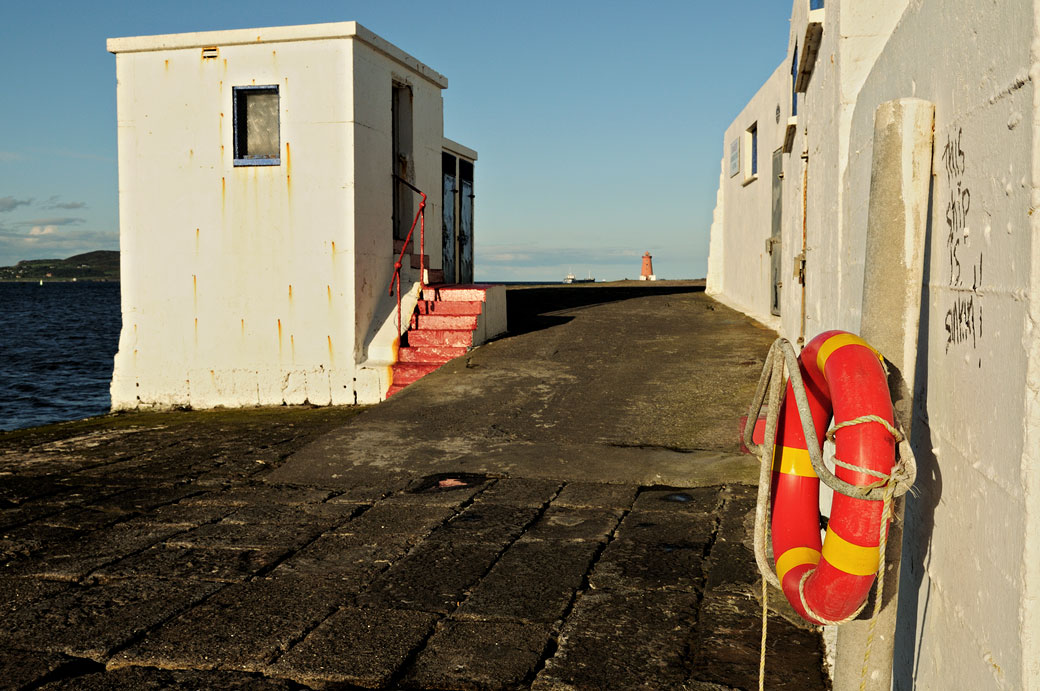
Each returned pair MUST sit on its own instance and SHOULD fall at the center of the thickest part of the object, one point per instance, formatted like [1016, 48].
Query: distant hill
[100, 265]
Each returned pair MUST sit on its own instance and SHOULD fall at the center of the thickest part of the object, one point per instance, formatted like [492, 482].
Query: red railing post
[420, 218]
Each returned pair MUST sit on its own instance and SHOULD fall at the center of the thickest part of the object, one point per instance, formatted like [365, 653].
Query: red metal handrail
[420, 218]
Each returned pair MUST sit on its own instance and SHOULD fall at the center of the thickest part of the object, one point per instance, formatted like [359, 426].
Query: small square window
[257, 139]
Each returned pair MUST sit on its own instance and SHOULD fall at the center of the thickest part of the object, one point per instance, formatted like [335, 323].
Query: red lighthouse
[647, 273]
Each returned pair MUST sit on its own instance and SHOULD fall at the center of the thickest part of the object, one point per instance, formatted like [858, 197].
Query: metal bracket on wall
[799, 267]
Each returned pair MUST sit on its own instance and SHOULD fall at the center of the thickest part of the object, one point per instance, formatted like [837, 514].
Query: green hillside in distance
[100, 265]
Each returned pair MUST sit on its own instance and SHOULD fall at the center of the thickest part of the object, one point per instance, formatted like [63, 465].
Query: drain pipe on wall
[799, 268]
[897, 219]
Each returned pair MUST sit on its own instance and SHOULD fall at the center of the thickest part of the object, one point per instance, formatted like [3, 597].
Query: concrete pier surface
[563, 508]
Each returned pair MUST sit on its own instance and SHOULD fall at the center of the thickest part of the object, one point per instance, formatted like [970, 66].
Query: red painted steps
[430, 353]
[448, 322]
[440, 329]
[443, 307]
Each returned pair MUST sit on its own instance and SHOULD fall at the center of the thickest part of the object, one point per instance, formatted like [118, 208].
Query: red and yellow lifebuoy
[843, 375]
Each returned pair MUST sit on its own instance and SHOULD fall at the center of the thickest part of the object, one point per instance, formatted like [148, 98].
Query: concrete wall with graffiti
[970, 593]
[967, 570]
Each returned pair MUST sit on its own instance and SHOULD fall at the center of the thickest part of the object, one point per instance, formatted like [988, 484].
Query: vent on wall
[208, 53]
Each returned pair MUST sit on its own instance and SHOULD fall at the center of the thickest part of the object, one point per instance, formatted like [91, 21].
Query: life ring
[828, 581]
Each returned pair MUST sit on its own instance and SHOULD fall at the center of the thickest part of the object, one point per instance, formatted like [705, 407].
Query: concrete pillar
[897, 219]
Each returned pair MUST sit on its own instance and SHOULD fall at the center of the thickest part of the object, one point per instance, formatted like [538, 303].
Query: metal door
[774, 238]
[466, 222]
[448, 218]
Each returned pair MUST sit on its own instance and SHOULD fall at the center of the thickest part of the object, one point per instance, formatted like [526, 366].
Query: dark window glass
[257, 139]
[754, 149]
[794, 80]
[447, 164]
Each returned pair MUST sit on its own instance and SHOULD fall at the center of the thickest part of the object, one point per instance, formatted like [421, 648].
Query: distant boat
[571, 279]
[41, 281]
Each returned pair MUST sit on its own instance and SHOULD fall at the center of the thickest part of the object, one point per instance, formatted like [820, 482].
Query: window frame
[750, 153]
[247, 89]
[794, 81]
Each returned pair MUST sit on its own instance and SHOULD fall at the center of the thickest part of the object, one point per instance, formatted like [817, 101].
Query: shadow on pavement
[532, 308]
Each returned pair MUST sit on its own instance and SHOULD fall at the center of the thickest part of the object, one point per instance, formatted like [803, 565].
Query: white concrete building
[969, 600]
[260, 217]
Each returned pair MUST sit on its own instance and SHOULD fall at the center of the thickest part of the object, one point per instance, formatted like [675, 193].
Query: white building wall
[739, 264]
[372, 161]
[853, 37]
[812, 183]
[222, 263]
[260, 285]
[970, 596]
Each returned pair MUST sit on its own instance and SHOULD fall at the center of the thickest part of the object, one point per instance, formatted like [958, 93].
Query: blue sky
[598, 123]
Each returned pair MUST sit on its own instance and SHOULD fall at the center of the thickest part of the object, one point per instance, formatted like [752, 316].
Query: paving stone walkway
[200, 550]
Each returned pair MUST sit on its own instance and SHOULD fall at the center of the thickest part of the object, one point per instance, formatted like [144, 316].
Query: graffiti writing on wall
[964, 315]
[964, 318]
[958, 205]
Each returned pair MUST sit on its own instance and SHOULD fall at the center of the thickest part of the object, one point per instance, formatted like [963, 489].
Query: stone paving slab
[480, 655]
[340, 557]
[365, 647]
[521, 492]
[20, 543]
[726, 648]
[217, 565]
[93, 621]
[692, 500]
[242, 627]
[624, 639]
[86, 518]
[261, 495]
[21, 668]
[185, 514]
[75, 556]
[152, 679]
[489, 523]
[595, 495]
[237, 535]
[396, 521]
[142, 498]
[18, 592]
[532, 581]
[432, 578]
[567, 523]
[653, 552]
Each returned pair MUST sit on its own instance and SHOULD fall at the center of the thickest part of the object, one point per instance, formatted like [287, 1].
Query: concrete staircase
[448, 321]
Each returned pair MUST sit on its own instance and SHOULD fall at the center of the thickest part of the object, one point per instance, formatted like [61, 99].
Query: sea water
[57, 342]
